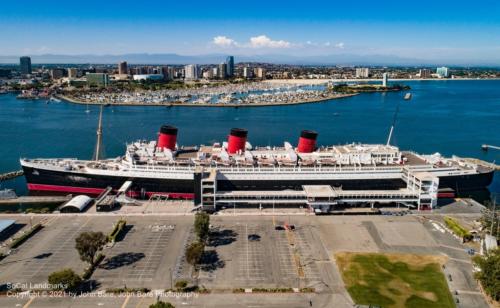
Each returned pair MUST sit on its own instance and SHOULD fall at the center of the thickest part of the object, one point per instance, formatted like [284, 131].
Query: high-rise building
[171, 73]
[72, 73]
[57, 73]
[222, 71]
[425, 73]
[230, 66]
[247, 72]
[123, 68]
[260, 72]
[443, 72]
[25, 65]
[362, 72]
[191, 72]
[97, 79]
[384, 79]
[166, 72]
[208, 74]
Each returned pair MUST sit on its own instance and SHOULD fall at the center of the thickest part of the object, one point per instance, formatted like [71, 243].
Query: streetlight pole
[493, 214]
[171, 280]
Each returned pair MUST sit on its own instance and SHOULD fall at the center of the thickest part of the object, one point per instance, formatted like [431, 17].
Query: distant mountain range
[170, 58]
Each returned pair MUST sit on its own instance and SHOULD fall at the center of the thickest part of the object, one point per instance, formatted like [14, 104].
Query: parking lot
[252, 253]
[51, 249]
[145, 256]
[243, 252]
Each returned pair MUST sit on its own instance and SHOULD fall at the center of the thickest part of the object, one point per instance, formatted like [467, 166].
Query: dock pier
[34, 200]
[486, 147]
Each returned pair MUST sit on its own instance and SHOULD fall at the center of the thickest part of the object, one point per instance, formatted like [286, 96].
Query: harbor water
[452, 117]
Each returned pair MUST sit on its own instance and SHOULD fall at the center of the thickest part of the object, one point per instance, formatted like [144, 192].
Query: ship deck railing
[62, 164]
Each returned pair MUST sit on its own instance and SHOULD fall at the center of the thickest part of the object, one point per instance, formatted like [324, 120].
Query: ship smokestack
[307, 141]
[167, 137]
[236, 140]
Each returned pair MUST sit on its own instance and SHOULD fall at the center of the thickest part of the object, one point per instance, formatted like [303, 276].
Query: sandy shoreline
[169, 104]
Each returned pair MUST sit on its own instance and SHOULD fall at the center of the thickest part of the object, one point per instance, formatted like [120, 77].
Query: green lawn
[394, 280]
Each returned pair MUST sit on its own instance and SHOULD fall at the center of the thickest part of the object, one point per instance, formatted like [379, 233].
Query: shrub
[488, 275]
[161, 304]
[457, 228]
[23, 238]
[128, 290]
[117, 229]
[181, 284]
[65, 279]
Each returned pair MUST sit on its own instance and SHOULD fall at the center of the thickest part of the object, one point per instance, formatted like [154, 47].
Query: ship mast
[393, 124]
[99, 137]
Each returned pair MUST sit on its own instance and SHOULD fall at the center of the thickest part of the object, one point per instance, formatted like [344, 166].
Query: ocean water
[450, 117]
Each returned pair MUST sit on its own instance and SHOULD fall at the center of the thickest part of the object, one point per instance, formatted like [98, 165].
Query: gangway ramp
[125, 187]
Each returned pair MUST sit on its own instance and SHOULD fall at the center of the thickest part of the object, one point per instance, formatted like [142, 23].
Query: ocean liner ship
[162, 167]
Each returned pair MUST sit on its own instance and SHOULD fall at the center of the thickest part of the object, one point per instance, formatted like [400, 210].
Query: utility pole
[493, 215]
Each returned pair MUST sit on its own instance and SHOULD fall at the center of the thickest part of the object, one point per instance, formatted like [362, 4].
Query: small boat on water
[407, 96]
[53, 99]
[7, 194]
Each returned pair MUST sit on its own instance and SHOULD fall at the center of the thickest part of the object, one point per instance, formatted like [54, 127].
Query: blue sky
[424, 29]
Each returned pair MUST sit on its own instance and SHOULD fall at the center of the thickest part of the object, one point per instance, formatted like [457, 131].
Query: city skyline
[428, 32]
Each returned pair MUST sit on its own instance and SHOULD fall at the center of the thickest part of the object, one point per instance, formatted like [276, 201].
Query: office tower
[230, 66]
[443, 72]
[25, 65]
[72, 73]
[425, 73]
[123, 68]
[165, 71]
[260, 73]
[57, 73]
[362, 72]
[384, 79]
[191, 72]
[171, 73]
[247, 72]
[222, 71]
[97, 79]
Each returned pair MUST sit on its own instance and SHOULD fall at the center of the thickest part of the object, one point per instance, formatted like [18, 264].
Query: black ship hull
[41, 180]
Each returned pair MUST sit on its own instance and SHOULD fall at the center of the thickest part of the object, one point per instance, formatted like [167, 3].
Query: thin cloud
[340, 45]
[263, 41]
[223, 41]
[255, 42]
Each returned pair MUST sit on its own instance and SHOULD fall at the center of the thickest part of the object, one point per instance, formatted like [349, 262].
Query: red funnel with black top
[167, 137]
[307, 141]
[236, 140]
